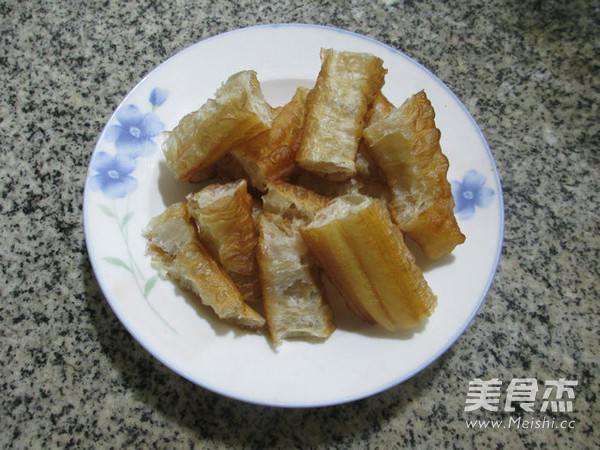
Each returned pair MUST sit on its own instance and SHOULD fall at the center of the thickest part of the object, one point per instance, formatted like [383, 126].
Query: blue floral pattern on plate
[113, 175]
[470, 193]
[134, 134]
[158, 96]
[133, 137]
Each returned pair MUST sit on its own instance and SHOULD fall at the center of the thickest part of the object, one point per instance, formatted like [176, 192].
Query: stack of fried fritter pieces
[327, 184]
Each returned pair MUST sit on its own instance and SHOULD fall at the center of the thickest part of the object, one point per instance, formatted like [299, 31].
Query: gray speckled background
[71, 375]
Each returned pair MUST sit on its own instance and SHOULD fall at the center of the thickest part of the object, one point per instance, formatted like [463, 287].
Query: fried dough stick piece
[406, 146]
[223, 214]
[294, 299]
[363, 252]
[272, 154]
[366, 167]
[336, 108]
[177, 254]
[238, 112]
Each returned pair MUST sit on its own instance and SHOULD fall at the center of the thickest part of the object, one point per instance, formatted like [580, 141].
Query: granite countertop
[71, 374]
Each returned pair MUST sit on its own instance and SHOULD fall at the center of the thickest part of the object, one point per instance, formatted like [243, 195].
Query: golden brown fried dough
[177, 254]
[336, 110]
[364, 255]
[293, 297]
[237, 113]
[223, 213]
[406, 146]
[272, 154]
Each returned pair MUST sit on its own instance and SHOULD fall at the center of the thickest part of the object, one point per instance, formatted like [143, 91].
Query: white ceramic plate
[128, 184]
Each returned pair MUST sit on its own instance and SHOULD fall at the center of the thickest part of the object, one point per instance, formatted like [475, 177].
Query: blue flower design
[113, 177]
[158, 96]
[133, 135]
[471, 193]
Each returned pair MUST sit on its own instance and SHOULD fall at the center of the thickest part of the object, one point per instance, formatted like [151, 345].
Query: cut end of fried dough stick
[172, 230]
[177, 254]
[293, 297]
[364, 254]
[272, 154]
[336, 112]
[238, 112]
[292, 201]
[406, 146]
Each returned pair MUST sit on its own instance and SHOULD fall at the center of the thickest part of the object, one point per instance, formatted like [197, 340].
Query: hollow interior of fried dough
[246, 82]
[409, 186]
[292, 201]
[208, 195]
[404, 143]
[171, 230]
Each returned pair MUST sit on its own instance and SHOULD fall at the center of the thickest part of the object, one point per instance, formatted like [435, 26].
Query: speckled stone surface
[72, 376]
